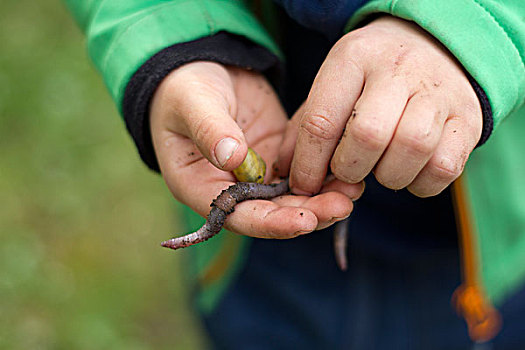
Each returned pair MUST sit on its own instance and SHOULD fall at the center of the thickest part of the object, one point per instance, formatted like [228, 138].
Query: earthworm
[223, 205]
[241, 191]
[251, 174]
[340, 243]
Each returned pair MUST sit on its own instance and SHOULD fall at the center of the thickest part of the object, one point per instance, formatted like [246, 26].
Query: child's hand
[389, 99]
[203, 116]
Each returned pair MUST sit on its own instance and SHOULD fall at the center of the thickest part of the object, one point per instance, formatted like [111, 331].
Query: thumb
[216, 133]
[202, 106]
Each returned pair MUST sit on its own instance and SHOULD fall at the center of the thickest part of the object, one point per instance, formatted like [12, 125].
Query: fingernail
[225, 149]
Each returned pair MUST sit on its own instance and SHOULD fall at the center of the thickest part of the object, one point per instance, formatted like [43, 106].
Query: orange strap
[483, 320]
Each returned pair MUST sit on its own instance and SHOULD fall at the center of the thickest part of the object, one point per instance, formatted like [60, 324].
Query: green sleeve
[486, 36]
[123, 34]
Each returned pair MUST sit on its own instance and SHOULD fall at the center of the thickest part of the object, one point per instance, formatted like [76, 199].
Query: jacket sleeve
[486, 36]
[123, 34]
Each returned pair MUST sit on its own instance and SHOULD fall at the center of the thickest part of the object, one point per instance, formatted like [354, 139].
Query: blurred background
[81, 217]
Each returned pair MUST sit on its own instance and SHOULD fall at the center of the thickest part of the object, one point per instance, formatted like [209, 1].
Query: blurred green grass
[80, 216]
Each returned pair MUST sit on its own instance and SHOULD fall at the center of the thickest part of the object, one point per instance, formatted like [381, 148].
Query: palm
[196, 182]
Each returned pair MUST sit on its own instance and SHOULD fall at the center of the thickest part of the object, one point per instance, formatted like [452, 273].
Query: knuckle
[342, 172]
[203, 129]
[305, 179]
[444, 169]
[354, 42]
[417, 143]
[368, 134]
[352, 48]
[320, 125]
[390, 181]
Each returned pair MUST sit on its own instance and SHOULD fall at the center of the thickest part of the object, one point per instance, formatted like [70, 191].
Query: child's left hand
[390, 99]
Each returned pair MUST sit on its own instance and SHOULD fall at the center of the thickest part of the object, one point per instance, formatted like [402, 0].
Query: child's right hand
[203, 116]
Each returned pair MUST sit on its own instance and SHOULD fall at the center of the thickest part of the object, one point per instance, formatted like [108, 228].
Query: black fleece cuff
[225, 48]
[488, 122]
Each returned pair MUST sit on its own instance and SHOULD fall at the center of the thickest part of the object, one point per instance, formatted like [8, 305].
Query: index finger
[288, 216]
[334, 92]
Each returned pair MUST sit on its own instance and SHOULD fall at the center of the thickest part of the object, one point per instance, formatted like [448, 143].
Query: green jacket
[486, 36]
